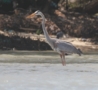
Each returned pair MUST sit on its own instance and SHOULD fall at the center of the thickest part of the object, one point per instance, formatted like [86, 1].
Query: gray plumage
[64, 46]
[57, 45]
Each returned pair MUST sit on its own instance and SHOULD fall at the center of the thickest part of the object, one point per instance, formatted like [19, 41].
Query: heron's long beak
[31, 16]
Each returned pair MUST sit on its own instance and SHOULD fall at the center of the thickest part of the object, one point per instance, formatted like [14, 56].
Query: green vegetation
[38, 32]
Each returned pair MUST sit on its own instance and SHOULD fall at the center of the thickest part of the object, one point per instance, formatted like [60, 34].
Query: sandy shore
[85, 45]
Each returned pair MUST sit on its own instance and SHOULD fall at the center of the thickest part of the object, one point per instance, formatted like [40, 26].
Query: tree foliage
[87, 6]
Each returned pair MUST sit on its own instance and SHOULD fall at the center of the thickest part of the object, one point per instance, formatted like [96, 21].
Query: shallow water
[44, 57]
[44, 71]
[48, 76]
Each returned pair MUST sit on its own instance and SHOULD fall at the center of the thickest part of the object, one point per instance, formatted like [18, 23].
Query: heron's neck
[44, 30]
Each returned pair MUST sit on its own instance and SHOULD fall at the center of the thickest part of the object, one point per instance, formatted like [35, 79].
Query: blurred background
[73, 20]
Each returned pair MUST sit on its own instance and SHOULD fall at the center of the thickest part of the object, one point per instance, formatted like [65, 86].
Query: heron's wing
[65, 46]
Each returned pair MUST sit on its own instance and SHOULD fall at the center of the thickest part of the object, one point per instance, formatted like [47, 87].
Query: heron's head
[34, 14]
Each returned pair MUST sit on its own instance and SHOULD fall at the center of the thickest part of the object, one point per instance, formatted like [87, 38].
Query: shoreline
[34, 42]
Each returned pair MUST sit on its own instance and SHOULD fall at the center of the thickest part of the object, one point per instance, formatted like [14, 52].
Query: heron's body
[57, 45]
[62, 46]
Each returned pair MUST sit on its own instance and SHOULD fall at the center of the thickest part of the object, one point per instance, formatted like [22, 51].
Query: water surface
[45, 57]
[43, 71]
[48, 76]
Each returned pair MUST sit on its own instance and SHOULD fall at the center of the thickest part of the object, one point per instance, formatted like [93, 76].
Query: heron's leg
[62, 59]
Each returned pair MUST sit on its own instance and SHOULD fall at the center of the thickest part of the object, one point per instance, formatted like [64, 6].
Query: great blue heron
[57, 45]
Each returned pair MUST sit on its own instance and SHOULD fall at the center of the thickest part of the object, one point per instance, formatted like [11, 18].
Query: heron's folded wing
[65, 46]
